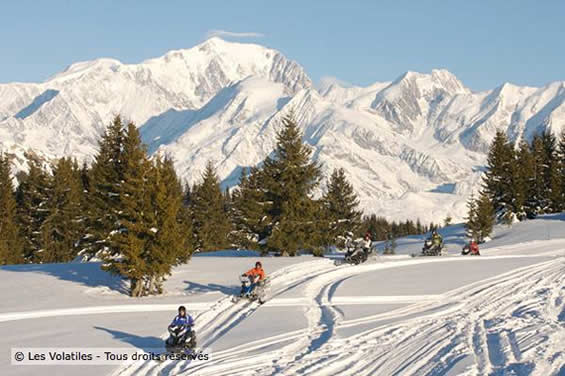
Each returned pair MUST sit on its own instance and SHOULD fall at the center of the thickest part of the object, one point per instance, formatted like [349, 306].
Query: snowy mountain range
[413, 147]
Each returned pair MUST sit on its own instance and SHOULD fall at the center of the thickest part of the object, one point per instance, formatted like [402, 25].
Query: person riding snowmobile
[357, 250]
[349, 244]
[255, 275]
[471, 248]
[180, 322]
[433, 246]
[437, 240]
[366, 244]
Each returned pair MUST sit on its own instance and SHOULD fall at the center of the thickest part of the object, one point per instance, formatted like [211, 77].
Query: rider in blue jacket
[182, 318]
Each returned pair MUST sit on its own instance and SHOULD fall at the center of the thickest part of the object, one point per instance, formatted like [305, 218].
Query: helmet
[349, 234]
[258, 264]
[182, 308]
[434, 232]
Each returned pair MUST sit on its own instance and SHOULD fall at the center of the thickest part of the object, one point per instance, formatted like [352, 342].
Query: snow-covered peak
[349, 95]
[190, 75]
[419, 139]
[84, 66]
[512, 93]
[427, 82]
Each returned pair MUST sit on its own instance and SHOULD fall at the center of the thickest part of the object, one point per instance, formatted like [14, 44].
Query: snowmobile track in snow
[427, 338]
[493, 327]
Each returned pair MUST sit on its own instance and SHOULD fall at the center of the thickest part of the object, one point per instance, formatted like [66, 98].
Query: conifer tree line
[131, 211]
[125, 209]
[381, 229]
[519, 183]
[273, 208]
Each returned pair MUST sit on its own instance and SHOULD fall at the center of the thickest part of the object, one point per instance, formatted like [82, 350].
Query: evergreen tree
[525, 185]
[341, 205]
[104, 180]
[561, 166]
[32, 196]
[11, 242]
[498, 180]
[548, 189]
[128, 253]
[136, 215]
[472, 224]
[211, 225]
[248, 210]
[186, 216]
[447, 221]
[552, 173]
[172, 243]
[419, 227]
[381, 229]
[187, 199]
[485, 217]
[290, 178]
[63, 228]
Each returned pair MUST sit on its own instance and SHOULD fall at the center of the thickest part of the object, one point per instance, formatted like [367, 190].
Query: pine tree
[525, 185]
[172, 243]
[548, 189]
[32, 196]
[63, 228]
[498, 180]
[211, 225]
[485, 217]
[187, 199]
[137, 216]
[471, 221]
[104, 179]
[419, 227]
[248, 210]
[11, 242]
[290, 177]
[561, 166]
[187, 217]
[552, 173]
[128, 253]
[447, 221]
[340, 205]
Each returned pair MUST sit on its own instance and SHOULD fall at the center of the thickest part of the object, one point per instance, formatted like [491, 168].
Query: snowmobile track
[506, 322]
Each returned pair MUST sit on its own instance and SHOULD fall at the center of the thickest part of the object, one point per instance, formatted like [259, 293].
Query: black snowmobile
[471, 250]
[354, 255]
[258, 294]
[182, 339]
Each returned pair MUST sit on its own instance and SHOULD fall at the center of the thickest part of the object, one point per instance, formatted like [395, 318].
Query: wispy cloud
[231, 34]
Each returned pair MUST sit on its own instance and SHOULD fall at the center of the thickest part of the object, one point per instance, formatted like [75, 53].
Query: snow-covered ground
[499, 314]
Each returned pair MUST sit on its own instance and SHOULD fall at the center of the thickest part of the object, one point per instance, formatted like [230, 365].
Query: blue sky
[484, 43]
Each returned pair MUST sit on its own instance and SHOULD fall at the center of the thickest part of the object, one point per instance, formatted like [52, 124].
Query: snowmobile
[355, 255]
[258, 294]
[182, 339]
[470, 250]
[433, 250]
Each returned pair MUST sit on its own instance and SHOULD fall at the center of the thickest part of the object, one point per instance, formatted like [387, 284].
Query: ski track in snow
[512, 324]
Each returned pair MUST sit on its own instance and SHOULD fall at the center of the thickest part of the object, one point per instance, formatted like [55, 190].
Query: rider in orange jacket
[255, 275]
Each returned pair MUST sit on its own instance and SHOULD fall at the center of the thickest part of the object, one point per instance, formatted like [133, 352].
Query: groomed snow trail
[513, 324]
[224, 315]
